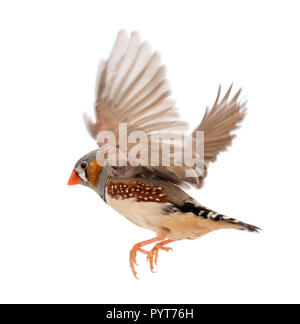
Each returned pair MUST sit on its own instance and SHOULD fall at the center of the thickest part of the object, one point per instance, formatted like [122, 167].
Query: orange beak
[74, 179]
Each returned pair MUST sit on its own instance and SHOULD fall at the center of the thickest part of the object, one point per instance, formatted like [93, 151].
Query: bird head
[86, 171]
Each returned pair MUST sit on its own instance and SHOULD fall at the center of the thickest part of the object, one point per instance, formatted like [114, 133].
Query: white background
[61, 244]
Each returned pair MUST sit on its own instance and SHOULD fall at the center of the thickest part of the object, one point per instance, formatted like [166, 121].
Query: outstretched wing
[218, 124]
[131, 88]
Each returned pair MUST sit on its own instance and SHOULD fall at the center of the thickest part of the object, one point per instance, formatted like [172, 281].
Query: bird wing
[218, 124]
[131, 88]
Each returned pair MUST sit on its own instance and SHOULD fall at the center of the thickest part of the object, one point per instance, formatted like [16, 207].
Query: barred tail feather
[221, 221]
[245, 227]
[236, 223]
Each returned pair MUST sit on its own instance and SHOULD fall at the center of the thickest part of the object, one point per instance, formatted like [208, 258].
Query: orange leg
[155, 249]
[151, 255]
[137, 248]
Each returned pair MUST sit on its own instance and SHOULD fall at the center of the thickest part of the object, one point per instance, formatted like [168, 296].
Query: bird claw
[132, 261]
[152, 255]
[156, 248]
[150, 259]
[132, 258]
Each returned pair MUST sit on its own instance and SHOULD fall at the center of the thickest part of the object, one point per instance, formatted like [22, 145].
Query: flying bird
[132, 88]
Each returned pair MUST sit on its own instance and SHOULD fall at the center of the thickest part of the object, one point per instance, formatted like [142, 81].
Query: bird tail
[234, 223]
[219, 221]
[244, 226]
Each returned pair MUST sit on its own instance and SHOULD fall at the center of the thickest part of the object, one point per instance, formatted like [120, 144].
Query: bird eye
[83, 165]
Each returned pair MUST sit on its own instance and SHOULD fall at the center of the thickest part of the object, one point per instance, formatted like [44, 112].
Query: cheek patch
[93, 172]
[82, 176]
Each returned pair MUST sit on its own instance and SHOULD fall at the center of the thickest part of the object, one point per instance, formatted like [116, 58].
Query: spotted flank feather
[136, 189]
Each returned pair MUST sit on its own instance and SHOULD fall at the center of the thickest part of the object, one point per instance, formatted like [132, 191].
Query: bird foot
[132, 258]
[152, 255]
